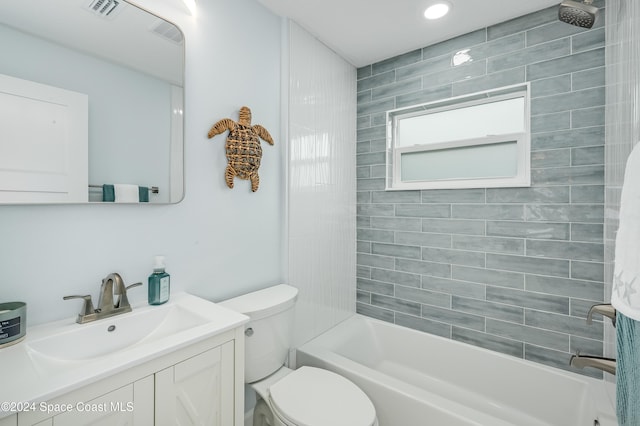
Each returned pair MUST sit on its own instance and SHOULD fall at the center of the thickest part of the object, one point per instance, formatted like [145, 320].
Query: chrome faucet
[605, 309]
[112, 285]
[604, 364]
[601, 363]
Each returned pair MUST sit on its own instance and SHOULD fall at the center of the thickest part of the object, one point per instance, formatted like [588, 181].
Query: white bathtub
[417, 379]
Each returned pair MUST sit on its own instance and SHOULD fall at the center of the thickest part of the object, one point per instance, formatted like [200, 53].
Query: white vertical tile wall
[321, 184]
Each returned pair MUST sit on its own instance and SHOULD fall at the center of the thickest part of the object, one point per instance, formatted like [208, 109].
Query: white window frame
[522, 140]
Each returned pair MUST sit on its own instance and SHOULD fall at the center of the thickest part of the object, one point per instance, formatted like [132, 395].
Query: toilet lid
[312, 396]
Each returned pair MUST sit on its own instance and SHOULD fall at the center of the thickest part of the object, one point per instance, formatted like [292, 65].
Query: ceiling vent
[105, 8]
[167, 30]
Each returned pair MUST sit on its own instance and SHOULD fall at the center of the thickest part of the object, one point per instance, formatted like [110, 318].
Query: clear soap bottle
[159, 283]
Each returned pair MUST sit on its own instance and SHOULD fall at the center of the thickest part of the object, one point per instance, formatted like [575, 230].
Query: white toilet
[307, 396]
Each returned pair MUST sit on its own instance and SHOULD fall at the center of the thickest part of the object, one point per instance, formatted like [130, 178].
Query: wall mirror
[126, 67]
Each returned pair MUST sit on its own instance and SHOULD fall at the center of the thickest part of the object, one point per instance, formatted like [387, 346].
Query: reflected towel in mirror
[124, 193]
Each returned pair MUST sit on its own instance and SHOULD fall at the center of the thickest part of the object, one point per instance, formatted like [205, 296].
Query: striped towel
[628, 371]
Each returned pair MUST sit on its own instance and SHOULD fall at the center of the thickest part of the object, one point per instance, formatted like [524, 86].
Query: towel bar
[153, 189]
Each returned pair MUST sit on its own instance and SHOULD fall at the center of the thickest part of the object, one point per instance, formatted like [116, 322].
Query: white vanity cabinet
[9, 421]
[201, 384]
[129, 405]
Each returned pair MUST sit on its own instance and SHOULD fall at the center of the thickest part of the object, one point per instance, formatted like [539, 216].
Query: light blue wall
[513, 270]
[217, 242]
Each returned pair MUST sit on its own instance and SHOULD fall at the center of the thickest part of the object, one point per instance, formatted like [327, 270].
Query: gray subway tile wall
[513, 270]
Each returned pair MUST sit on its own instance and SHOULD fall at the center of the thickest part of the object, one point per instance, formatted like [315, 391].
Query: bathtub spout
[604, 364]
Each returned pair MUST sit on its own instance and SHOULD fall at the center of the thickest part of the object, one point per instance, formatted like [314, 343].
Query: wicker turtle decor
[243, 147]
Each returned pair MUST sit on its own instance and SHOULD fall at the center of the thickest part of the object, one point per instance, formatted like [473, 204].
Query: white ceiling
[367, 31]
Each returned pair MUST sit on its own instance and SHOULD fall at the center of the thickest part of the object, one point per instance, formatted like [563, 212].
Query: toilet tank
[269, 330]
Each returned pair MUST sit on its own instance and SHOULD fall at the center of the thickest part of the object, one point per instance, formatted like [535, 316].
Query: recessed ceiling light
[437, 10]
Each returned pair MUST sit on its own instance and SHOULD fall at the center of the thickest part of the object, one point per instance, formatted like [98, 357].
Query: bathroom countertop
[31, 377]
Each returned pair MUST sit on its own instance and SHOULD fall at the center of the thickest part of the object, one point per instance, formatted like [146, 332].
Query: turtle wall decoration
[242, 147]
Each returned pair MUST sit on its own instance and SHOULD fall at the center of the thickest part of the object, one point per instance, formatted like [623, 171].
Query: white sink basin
[106, 336]
[143, 333]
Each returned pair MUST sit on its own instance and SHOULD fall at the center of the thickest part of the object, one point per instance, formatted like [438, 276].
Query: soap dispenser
[159, 283]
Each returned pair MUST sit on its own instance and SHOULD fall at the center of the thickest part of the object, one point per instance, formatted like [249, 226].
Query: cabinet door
[128, 406]
[197, 391]
[11, 420]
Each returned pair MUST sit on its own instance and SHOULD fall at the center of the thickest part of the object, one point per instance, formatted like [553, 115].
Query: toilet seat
[312, 396]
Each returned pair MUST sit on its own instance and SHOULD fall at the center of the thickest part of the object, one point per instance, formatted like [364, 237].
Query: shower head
[578, 14]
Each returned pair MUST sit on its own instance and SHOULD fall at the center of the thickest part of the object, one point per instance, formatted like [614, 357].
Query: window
[476, 141]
